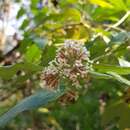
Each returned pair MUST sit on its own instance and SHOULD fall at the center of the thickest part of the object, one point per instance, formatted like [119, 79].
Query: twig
[121, 20]
[114, 26]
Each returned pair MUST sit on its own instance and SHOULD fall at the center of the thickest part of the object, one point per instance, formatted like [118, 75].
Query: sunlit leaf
[101, 3]
[118, 4]
[111, 68]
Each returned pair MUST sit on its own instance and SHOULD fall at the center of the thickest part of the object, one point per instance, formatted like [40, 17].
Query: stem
[114, 26]
[100, 75]
[120, 21]
[110, 75]
[120, 78]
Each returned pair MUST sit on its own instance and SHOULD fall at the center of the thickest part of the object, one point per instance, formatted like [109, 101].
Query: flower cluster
[50, 77]
[71, 63]
[69, 97]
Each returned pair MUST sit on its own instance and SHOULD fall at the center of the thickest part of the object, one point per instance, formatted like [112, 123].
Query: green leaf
[128, 3]
[97, 48]
[118, 4]
[111, 68]
[39, 99]
[24, 24]
[117, 111]
[49, 53]
[20, 13]
[72, 15]
[7, 72]
[64, 3]
[110, 75]
[101, 3]
[33, 54]
[120, 37]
